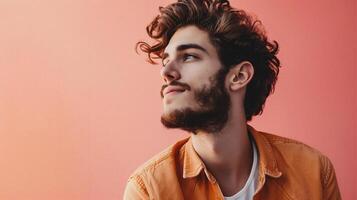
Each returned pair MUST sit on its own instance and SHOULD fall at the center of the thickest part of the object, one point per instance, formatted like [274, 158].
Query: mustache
[176, 83]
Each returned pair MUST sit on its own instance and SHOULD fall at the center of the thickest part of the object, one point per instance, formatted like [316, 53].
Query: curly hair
[236, 36]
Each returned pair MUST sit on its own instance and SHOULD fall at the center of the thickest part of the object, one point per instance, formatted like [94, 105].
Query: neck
[227, 154]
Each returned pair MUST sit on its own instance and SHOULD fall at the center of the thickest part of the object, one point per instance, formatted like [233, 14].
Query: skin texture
[226, 153]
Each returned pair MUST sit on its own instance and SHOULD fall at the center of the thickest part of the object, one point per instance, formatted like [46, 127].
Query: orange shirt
[288, 169]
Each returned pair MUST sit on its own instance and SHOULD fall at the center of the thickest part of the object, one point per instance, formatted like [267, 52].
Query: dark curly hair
[235, 34]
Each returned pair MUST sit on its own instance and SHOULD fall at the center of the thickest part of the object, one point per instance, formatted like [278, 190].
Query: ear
[240, 75]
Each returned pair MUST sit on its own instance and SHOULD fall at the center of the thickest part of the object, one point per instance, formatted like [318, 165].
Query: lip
[172, 89]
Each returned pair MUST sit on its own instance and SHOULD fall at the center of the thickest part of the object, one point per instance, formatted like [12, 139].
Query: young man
[218, 69]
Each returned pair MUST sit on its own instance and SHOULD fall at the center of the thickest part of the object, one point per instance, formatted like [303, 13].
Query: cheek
[197, 76]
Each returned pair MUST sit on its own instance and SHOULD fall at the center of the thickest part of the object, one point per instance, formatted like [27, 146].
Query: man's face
[194, 94]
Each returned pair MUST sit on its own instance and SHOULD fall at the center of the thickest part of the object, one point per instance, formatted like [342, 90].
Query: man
[218, 69]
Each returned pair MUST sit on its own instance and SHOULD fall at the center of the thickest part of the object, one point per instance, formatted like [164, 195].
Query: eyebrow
[183, 47]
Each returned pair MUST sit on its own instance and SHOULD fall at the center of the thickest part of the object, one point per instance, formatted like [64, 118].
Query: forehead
[189, 35]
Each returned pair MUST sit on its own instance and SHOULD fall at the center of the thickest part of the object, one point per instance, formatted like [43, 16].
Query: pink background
[79, 110]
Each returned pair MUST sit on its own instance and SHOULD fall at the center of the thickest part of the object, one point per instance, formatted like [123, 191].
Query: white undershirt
[247, 192]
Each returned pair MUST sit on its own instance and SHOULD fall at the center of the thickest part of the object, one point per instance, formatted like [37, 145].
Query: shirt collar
[193, 165]
[267, 160]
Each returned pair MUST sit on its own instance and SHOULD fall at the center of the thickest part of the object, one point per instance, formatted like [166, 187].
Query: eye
[188, 57]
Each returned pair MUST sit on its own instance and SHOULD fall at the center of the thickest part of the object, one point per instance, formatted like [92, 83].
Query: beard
[214, 104]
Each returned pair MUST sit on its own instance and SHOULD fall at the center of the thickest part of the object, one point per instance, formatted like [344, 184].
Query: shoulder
[305, 169]
[163, 158]
[292, 148]
[296, 158]
[159, 169]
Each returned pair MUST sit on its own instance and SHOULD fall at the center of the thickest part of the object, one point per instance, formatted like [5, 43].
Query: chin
[168, 109]
[172, 107]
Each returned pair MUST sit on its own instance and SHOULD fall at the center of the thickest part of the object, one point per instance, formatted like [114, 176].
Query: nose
[170, 73]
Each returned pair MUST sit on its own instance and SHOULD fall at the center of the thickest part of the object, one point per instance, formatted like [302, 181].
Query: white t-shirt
[247, 192]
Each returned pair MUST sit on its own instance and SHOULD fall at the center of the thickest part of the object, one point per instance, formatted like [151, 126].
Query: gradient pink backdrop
[79, 110]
